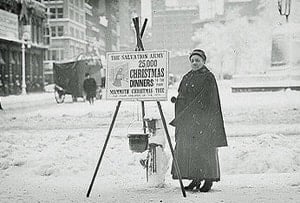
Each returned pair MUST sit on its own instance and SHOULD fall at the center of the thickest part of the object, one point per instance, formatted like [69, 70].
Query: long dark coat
[90, 87]
[199, 126]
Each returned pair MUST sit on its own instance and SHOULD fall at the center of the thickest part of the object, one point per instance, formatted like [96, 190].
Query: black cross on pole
[140, 47]
[139, 35]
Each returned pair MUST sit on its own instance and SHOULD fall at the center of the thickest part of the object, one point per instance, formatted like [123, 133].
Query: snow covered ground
[48, 152]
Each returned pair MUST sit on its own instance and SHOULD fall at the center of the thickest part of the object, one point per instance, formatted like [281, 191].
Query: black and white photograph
[150, 101]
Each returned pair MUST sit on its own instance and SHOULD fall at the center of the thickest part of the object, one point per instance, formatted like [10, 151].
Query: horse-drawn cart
[69, 77]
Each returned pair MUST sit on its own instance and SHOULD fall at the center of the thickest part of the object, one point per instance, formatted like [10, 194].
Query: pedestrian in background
[90, 87]
[199, 126]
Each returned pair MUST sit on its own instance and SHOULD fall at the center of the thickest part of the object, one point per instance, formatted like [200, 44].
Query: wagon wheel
[59, 96]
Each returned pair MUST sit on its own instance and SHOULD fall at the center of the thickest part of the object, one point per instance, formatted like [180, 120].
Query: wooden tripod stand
[139, 48]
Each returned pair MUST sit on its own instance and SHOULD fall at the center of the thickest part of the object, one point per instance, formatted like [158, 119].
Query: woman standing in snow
[199, 126]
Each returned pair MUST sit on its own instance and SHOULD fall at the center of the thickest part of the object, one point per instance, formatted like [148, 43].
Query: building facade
[67, 32]
[67, 28]
[210, 11]
[81, 27]
[20, 22]
[95, 29]
[172, 28]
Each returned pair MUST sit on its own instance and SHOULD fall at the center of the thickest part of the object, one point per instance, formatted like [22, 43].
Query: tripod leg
[143, 115]
[171, 147]
[147, 166]
[104, 147]
[143, 28]
[154, 159]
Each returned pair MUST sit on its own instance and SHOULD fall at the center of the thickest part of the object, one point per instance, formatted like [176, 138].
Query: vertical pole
[171, 147]
[23, 70]
[143, 115]
[0, 105]
[144, 27]
[104, 147]
[140, 47]
[11, 62]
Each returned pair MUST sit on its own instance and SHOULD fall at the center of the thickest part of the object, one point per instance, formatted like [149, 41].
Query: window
[60, 31]
[77, 34]
[56, 13]
[72, 31]
[33, 32]
[52, 13]
[72, 48]
[53, 31]
[61, 54]
[76, 17]
[71, 2]
[81, 19]
[82, 35]
[39, 34]
[60, 12]
[71, 14]
[57, 31]
[76, 3]
[46, 31]
[47, 35]
[47, 55]
[54, 55]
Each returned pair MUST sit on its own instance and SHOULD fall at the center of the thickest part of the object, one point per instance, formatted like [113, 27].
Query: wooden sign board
[141, 75]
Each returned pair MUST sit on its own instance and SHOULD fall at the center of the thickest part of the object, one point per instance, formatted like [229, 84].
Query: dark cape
[199, 126]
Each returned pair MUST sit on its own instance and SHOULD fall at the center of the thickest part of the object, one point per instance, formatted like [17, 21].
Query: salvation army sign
[135, 75]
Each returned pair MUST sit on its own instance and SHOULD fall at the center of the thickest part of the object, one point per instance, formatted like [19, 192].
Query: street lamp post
[284, 8]
[23, 69]
[25, 40]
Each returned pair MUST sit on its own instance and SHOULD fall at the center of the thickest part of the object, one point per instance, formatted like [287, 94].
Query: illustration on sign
[137, 75]
[121, 75]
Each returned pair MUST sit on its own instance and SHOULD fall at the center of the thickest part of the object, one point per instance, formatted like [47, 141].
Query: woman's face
[196, 62]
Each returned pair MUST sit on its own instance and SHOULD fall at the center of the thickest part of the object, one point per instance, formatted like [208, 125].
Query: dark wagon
[69, 76]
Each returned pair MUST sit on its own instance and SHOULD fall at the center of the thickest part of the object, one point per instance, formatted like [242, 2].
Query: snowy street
[231, 68]
[48, 152]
